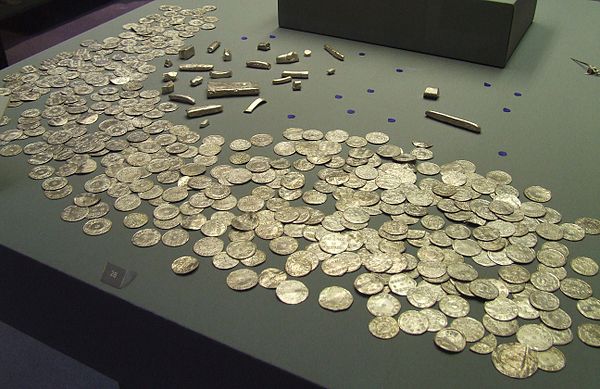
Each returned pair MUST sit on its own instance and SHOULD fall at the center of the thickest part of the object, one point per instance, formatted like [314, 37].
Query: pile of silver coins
[412, 233]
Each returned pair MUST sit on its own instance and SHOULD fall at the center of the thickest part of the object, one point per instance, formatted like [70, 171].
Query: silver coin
[514, 360]
[291, 292]
[96, 227]
[450, 340]
[184, 265]
[242, 279]
[335, 298]
[384, 327]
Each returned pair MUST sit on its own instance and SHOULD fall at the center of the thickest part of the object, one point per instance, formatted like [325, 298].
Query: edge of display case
[480, 31]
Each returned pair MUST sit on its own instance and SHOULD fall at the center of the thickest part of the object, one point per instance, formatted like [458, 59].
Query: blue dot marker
[505, 109]
[291, 116]
[244, 37]
[487, 84]
[338, 96]
[351, 111]
[370, 90]
[518, 94]
[399, 70]
[272, 36]
[362, 54]
[502, 153]
[391, 120]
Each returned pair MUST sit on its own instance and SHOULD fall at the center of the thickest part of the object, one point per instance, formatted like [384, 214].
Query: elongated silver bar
[220, 74]
[187, 52]
[258, 65]
[334, 53]
[182, 99]
[196, 81]
[282, 80]
[254, 104]
[170, 76]
[264, 46]
[295, 73]
[213, 47]
[290, 57]
[235, 88]
[196, 67]
[204, 110]
[226, 55]
[454, 121]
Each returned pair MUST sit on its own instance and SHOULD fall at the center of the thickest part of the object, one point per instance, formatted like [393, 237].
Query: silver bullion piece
[334, 53]
[289, 57]
[431, 93]
[167, 88]
[195, 67]
[330, 71]
[453, 121]
[253, 105]
[204, 110]
[169, 76]
[182, 99]
[296, 85]
[282, 80]
[255, 64]
[213, 47]
[263, 46]
[187, 52]
[226, 89]
[196, 81]
[226, 55]
[216, 74]
[303, 74]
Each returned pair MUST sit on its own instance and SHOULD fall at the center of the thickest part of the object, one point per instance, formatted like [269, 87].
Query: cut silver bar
[334, 53]
[290, 57]
[258, 65]
[330, 71]
[182, 99]
[282, 80]
[454, 121]
[254, 104]
[226, 55]
[204, 123]
[204, 110]
[196, 67]
[220, 73]
[431, 93]
[187, 52]
[213, 47]
[295, 73]
[170, 76]
[264, 46]
[196, 81]
[235, 88]
[296, 85]
[168, 88]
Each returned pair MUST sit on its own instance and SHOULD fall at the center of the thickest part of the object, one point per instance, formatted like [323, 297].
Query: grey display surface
[550, 135]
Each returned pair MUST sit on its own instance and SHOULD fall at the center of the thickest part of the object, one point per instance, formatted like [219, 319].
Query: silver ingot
[330, 71]
[168, 63]
[258, 65]
[290, 57]
[295, 73]
[264, 46]
[196, 81]
[220, 74]
[187, 52]
[170, 76]
[182, 99]
[334, 53]
[431, 93]
[204, 123]
[282, 80]
[296, 85]
[235, 88]
[254, 104]
[195, 67]
[453, 121]
[226, 55]
[167, 88]
[197, 112]
[213, 47]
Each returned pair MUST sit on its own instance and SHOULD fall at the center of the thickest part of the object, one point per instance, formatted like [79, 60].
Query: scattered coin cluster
[414, 234]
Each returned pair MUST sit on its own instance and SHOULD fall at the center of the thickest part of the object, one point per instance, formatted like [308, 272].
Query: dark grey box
[482, 31]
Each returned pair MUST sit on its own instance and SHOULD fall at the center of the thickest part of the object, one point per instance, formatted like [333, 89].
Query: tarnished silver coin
[450, 340]
[291, 292]
[515, 360]
[271, 277]
[383, 304]
[335, 298]
[413, 322]
[585, 266]
[96, 227]
[486, 345]
[146, 238]
[589, 307]
[184, 265]
[551, 360]
[589, 333]
[384, 327]
[242, 279]
[135, 220]
[208, 247]
[74, 213]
